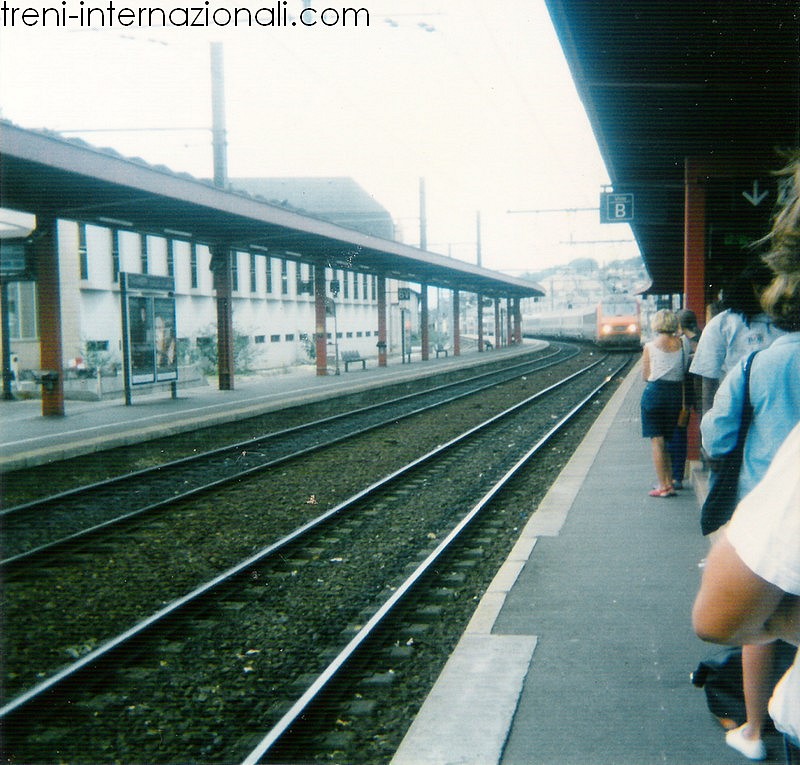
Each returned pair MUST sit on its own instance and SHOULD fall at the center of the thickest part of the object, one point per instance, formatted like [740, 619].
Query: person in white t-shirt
[739, 329]
[750, 592]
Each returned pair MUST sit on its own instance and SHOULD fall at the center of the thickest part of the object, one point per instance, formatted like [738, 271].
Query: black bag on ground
[720, 676]
[720, 502]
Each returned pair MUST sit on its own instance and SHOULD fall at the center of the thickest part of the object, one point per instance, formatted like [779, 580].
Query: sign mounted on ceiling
[616, 208]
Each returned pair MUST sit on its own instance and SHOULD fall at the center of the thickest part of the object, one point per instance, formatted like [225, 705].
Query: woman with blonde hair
[664, 363]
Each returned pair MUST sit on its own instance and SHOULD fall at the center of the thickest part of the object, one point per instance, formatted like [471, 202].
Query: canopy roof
[715, 80]
[45, 174]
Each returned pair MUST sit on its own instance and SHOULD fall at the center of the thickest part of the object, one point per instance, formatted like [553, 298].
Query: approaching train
[615, 322]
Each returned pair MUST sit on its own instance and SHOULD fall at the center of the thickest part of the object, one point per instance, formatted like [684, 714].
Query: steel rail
[292, 716]
[103, 652]
[26, 556]
[254, 442]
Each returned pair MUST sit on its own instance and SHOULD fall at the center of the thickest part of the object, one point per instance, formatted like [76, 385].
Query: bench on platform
[441, 349]
[352, 357]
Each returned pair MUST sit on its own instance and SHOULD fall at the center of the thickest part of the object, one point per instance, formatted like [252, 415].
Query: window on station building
[115, 256]
[260, 339]
[365, 282]
[22, 321]
[268, 261]
[171, 257]
[284, 276]
[374, 287]
[345, 284]
[253, 274]
[194, 271]
[289, 338]
[144, 254]
[234, 259]
[83, 252]
[274, 338]
[355, 286]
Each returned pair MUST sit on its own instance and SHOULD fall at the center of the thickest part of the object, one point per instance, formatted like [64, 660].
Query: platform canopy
[46, 174]
[666, 81]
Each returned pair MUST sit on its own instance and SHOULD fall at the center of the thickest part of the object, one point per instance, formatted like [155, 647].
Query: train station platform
[581, 650]
[27, 438]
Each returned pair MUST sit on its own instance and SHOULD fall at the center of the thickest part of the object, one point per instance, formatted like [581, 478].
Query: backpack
[720, 676]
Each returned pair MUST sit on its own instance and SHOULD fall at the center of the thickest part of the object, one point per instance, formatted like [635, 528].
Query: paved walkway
[581, 650]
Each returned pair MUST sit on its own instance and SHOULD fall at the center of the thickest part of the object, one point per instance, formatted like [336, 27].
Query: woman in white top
[750, 591]
[664, 365]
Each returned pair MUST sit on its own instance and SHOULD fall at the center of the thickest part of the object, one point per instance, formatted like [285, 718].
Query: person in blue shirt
[775, 398]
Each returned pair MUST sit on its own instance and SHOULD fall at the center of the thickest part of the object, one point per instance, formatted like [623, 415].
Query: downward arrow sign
[755, 198]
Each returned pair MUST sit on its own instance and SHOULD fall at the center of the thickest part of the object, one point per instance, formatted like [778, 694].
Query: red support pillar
[509, 317]
[480, 322]
[497, 339]
[221, 266]
[694, 239]
[424, 329]
[694, 264]
[320, 321]
[517, 322]
[456, 324]
[382, 341]
[48, 295]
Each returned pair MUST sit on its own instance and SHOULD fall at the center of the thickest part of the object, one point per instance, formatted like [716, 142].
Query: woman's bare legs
[662, 463]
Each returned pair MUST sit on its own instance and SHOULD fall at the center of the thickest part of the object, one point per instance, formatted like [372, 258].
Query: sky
[474, 98]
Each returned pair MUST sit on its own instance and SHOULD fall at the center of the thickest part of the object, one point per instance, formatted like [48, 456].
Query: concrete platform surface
[581, 650]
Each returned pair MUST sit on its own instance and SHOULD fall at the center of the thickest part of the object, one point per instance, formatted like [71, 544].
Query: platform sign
[149, 328]
[616, 208]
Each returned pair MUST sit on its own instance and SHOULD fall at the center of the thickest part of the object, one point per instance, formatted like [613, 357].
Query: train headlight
[606, 329]
[632, 328]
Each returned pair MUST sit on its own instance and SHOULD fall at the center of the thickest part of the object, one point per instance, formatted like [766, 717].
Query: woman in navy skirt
[664, 364]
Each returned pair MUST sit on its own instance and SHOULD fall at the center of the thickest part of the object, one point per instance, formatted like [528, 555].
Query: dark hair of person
[742, 295]
[688, 320]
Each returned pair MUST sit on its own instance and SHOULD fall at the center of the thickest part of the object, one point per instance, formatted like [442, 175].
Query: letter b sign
[616, 208]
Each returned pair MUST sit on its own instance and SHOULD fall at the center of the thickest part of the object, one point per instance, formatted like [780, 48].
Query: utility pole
[219, 132]
[221, 251]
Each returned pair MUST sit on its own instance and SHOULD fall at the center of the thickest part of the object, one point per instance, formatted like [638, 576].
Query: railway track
[248, 607]
[36, 530]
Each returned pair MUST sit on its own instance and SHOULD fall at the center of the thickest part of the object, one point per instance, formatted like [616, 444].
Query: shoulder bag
[683, 415]
[723, 486]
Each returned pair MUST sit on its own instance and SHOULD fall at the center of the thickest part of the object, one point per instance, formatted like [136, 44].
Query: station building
[273, 297]
[256, 274]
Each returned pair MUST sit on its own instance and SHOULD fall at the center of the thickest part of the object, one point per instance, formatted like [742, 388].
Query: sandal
[668, 492]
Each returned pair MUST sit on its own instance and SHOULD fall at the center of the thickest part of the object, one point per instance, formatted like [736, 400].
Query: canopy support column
[497, 340]
[456, 323]
[48, 293]
[320, 320]
[381, 321]
[424, 329]
[223, 285]
[480, 322]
